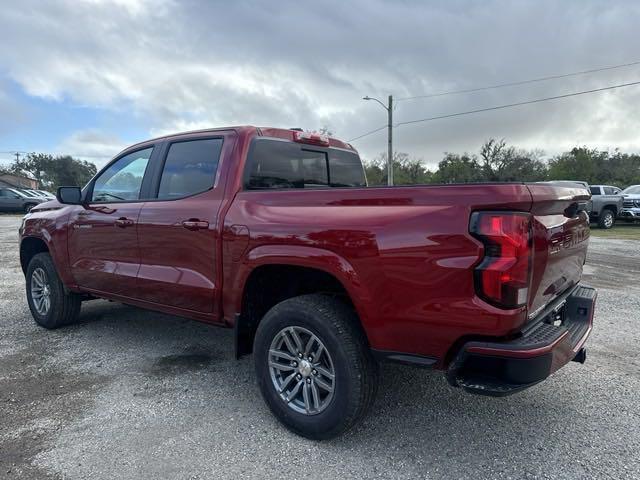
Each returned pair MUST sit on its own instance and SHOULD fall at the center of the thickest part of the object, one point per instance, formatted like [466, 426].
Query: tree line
[495, 162]
[52, 171]
[498, 162]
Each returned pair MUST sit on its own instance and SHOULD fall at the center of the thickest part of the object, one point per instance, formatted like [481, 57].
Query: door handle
[123, 222]
[195, 224]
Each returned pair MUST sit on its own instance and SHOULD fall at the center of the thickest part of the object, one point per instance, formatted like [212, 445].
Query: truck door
[103, 241]
[179, 231]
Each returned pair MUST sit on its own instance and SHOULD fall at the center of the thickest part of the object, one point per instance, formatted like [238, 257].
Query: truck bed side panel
[409, 246]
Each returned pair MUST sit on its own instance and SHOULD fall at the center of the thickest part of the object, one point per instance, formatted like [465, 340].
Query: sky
[89, 77]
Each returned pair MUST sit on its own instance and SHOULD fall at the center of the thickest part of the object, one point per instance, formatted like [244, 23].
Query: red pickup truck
[274, 233]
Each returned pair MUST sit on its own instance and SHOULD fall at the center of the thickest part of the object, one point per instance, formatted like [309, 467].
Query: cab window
[190, 168]
[122, 181]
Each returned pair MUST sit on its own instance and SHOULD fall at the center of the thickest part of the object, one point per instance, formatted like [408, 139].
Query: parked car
[606, 205]
[39, 193]
[631, 203]
[27, 192]
[14, 200]
[274, 233]
[46, 194]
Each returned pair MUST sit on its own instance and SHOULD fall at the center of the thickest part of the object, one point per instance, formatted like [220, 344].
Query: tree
[508, 164]
[33, 165]
[406, 170]
[325, 130]
[596, 166]
[456, 168]
[52, 172]
[67, 170]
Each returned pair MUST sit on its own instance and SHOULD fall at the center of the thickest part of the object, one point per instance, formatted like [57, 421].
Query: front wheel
[51, 306]
[607, 219]
[314, 367]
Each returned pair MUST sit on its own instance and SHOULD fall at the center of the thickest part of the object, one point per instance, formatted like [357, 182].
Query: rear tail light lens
[503, 276]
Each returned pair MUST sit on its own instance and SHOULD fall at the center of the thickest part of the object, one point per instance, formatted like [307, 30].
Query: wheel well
[30, 247]
[271, 284]
[613, 208]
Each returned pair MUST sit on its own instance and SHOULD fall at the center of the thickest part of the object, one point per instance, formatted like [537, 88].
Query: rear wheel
[607, 219]
[314, 367]
[51, 306]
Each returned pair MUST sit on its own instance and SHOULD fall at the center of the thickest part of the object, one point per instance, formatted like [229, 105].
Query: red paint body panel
[403, 254]
[104, 262]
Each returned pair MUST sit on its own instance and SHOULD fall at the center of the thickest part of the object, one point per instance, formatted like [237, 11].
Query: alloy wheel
[40, 291]
[301, 370]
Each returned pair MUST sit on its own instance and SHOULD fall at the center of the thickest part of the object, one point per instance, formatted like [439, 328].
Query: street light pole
[389, 109]
[390, 142]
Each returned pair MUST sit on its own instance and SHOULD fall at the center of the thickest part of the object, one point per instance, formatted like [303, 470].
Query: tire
[607, 219]
[27, 208]
[336, 326]
[63, 307]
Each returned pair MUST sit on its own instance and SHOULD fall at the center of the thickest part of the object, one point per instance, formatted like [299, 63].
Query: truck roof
[272, 132]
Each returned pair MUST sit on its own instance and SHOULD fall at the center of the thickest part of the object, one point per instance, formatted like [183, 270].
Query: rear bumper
[555, 338]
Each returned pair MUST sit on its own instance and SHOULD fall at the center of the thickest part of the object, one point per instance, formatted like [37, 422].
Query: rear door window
[595, 190]
[274, 164]
[190, 168]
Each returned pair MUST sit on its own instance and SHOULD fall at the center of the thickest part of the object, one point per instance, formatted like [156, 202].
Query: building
[17, 181]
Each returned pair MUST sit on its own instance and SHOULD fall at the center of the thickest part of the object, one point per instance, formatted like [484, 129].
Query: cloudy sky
[88, 77]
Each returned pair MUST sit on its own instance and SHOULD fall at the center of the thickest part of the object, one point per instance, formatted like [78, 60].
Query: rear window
[595, 190]
[278, 164]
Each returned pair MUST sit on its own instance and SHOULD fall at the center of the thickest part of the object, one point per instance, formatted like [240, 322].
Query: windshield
[632, 190]
[18, 192]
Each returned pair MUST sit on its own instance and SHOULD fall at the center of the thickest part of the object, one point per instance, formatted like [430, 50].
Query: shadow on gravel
[177, 364]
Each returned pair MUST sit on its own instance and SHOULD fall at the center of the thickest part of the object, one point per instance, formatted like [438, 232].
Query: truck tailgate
[560, 239]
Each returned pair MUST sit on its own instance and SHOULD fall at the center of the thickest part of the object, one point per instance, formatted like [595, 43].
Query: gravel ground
[134, 394]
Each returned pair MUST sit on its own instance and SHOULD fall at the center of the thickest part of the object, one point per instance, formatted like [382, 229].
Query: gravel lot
[134, 394]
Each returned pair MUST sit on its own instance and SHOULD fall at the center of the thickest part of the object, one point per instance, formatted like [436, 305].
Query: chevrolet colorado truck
[275, 234]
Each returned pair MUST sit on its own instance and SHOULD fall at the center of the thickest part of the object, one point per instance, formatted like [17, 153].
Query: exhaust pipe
[581, 356]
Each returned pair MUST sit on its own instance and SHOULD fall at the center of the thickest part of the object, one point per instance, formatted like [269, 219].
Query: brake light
[311, 138]
[503, 276]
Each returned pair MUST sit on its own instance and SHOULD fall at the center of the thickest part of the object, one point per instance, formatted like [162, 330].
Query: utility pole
[389, 109]
[390, 142]
[17, 154]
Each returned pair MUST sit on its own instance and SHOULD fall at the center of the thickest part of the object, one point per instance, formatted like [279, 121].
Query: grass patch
[621, 230]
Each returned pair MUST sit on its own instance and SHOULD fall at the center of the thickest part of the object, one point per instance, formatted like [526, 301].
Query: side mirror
[69, 195]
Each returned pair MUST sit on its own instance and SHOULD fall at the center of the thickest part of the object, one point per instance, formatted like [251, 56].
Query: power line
[367, 134]
[500, 107]
[528, 102]
[521, 82]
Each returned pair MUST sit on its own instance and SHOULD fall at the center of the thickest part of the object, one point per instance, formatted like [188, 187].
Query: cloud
[92, 145]
[177, 65]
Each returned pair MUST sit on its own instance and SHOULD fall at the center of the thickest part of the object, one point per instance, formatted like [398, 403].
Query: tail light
[503, 276]
[311, 138]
